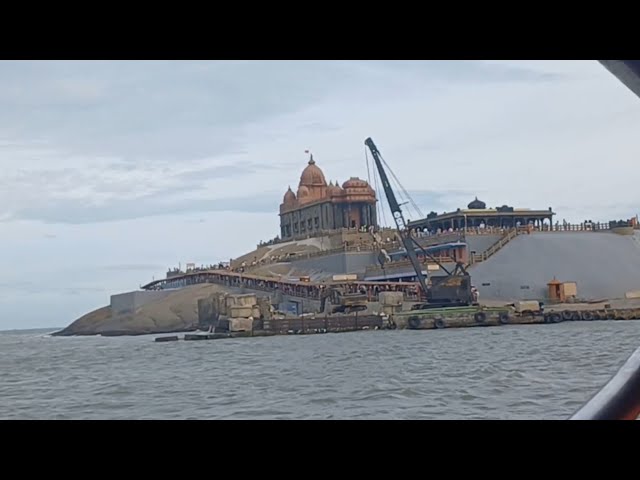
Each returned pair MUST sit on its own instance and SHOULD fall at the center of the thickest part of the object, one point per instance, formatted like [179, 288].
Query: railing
[319, 233]
[579, 227]
[302, 236]
[431, 240]
[308, 290]
[481, 257]
[619, 399]
[426, 240]
[394, 267]
[568, 227]
[514, 232]
[365, 248]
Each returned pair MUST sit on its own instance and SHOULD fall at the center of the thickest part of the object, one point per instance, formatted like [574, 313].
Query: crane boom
[398, 217]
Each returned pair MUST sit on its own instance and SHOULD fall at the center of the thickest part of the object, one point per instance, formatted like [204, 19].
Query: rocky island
[175, 312]
[330, 239]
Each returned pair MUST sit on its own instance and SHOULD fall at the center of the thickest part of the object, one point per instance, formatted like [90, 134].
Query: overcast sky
[114, 171]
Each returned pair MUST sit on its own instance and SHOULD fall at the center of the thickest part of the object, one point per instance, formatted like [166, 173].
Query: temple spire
[311, 160]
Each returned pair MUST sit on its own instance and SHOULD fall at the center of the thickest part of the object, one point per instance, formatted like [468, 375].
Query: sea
[509, 372]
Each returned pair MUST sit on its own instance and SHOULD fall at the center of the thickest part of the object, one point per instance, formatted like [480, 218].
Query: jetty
[224, 316]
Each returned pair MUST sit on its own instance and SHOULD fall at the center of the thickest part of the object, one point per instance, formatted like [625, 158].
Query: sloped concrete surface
[603, 264]
[480, 243]
[176, 312]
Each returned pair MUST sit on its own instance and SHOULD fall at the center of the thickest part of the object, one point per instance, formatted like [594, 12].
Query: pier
[470, 317]
[295, 288]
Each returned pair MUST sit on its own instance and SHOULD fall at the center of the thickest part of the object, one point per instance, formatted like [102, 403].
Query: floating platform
[465, 317]
[437, 318]
[324, 324]
[173, 338]
[452, 317]
[296, 326]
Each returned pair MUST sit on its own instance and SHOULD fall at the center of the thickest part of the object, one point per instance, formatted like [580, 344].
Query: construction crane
[342, 302]
[452, 290]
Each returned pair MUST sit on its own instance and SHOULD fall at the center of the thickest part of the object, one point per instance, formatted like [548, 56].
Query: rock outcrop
[177, 312]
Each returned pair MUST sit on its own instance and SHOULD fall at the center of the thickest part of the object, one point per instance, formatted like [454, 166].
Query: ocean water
[510, 372]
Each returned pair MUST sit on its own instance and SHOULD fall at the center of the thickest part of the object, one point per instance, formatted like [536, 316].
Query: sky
[113, 171]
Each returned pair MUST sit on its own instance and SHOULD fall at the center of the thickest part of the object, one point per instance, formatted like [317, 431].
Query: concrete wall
[604, 265]
[356, 262]
[128, 302]
[349, 262]
[335, 263]
[285, 303]
[480, 243]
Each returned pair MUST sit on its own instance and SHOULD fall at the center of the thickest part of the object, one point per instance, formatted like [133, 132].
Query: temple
[477, 215]
[317, 207]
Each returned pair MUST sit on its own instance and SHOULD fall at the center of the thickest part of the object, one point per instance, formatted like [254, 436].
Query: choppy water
[514, 372]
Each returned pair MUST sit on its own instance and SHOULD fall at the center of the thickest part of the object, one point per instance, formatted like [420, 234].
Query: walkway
[309, 290]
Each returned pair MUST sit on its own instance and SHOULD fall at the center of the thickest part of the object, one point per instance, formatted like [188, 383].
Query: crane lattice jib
[398, 217]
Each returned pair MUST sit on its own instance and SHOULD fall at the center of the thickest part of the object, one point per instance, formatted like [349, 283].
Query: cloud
[183, 127]
[466, 72]
[155, 108]
[136, 267]
[154, 205]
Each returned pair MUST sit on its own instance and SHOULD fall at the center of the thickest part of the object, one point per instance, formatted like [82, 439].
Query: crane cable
[402, 189]
[398, 188]
[379, 209]
[379, 188]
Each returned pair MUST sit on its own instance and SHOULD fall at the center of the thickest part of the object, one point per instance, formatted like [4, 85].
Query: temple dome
[289, 197]
[477, 205]
[303, 192]
[312, 176]
[355, 182]
[334, 190]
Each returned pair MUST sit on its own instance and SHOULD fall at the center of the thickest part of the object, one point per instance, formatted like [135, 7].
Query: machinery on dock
[452, 290]
[342, 302]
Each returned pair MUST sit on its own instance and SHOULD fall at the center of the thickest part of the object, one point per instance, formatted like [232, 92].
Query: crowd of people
[310, 290]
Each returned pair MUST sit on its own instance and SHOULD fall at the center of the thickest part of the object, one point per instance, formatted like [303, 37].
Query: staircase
[493, 249]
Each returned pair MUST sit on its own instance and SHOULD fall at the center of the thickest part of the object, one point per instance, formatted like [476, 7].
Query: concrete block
[240, 312]
[246, 300]
[265, 307]
[221, 300]
[390, 298]
[241, 324]
[391, 309]
[207, 312]
[527, 305]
